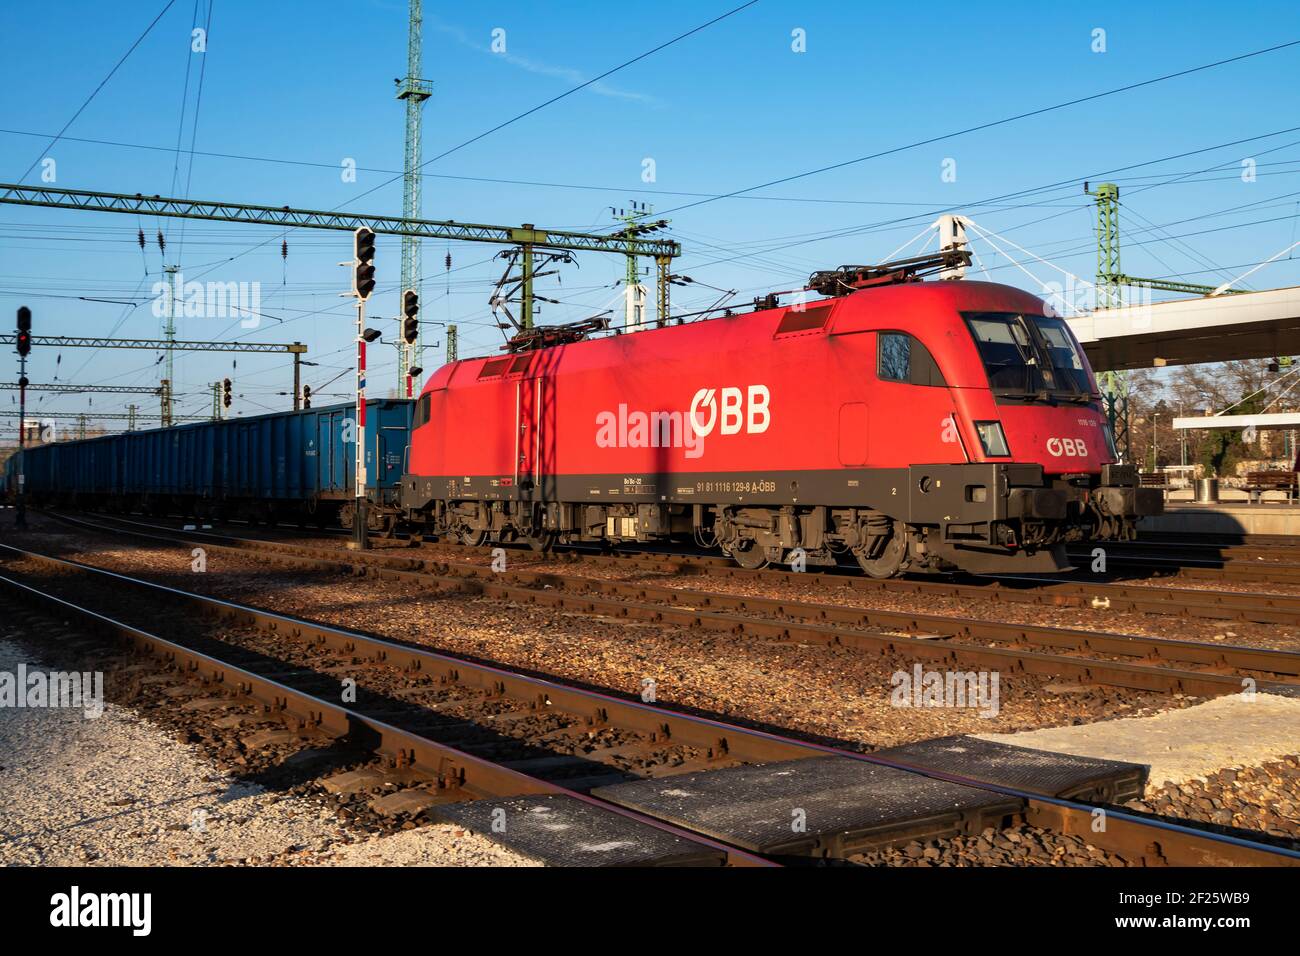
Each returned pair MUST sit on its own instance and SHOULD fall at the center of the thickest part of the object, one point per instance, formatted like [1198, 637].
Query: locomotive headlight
[993, 439]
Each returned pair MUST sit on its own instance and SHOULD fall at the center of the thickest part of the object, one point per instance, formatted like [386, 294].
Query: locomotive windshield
[1030, 356]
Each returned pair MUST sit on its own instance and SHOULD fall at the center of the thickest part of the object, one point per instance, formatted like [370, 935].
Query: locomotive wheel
[889, 557]
[471, 538]
[749, 555]
[542, 542]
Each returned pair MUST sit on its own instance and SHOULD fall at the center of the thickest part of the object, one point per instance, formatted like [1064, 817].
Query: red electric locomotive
[913, 425]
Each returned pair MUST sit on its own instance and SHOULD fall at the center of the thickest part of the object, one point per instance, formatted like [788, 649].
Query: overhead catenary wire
[95, 92]
[992, 124]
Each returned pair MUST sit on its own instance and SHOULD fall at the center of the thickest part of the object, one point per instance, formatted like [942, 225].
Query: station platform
[1226, 518]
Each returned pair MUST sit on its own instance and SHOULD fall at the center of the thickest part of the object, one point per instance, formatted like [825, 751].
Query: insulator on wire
[162, 242]
[140, 238]
[284, 248]
[448, 260]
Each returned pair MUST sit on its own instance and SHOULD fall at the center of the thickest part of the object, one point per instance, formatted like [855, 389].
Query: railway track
[467, 741]
[1219, 539]
[1088, 656]
[1246, 566]
[1252, 606]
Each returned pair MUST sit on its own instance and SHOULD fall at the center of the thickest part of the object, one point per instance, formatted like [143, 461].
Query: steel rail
[822, 624]
[457, 775]
[1145, 840]
[1250, 606]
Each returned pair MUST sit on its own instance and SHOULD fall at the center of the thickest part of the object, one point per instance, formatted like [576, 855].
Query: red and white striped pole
[359, 519]
[363, 283]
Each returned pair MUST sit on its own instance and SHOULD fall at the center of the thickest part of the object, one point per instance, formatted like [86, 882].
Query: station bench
[1258, 482]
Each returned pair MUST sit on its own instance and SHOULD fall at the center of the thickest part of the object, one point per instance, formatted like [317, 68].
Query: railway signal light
[363, 266]
[24, 331]
[306, 396]
[410, 317]
[225, 393]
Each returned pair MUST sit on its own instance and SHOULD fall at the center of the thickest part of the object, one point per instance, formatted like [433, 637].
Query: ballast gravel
[118, 791]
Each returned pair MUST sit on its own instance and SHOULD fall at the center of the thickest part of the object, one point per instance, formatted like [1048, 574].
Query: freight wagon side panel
[392, 433]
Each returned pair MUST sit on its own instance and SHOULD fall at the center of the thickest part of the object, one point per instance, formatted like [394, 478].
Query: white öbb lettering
[1067, 448]
[736, 409]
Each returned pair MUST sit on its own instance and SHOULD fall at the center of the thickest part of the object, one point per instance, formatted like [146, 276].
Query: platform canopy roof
[1267, 420]
[1188, 331]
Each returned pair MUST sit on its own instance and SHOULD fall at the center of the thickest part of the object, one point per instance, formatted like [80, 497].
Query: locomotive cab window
[1030, 357]
[422, 408]
[901, 357]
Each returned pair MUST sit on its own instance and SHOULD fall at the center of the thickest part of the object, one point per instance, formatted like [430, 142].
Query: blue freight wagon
[284, 466]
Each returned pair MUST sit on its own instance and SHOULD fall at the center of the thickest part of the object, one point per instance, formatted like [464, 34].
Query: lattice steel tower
[414, 91]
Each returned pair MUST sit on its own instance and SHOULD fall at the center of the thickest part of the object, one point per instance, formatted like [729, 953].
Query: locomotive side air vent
[520, 363]
[808, 320]
[493, 367]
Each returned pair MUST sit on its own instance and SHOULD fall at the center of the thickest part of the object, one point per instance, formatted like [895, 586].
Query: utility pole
[633, 291]
[414, 91]
[635, 226]
[24, 342]
[1155, 447]
[130, 417]
[166, 411]
[169, 334]
[526, 271]
[661, 264]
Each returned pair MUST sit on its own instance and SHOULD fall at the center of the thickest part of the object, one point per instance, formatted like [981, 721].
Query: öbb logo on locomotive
[1067, 448]
[749, 408]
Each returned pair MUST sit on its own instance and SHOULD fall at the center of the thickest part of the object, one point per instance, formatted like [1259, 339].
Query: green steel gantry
[296, 349]
[1110, 278]
[527, 238]
[78, 389]
[414, 91]
[106, 416]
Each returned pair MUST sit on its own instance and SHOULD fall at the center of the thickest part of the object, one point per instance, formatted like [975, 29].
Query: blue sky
[311, 85]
